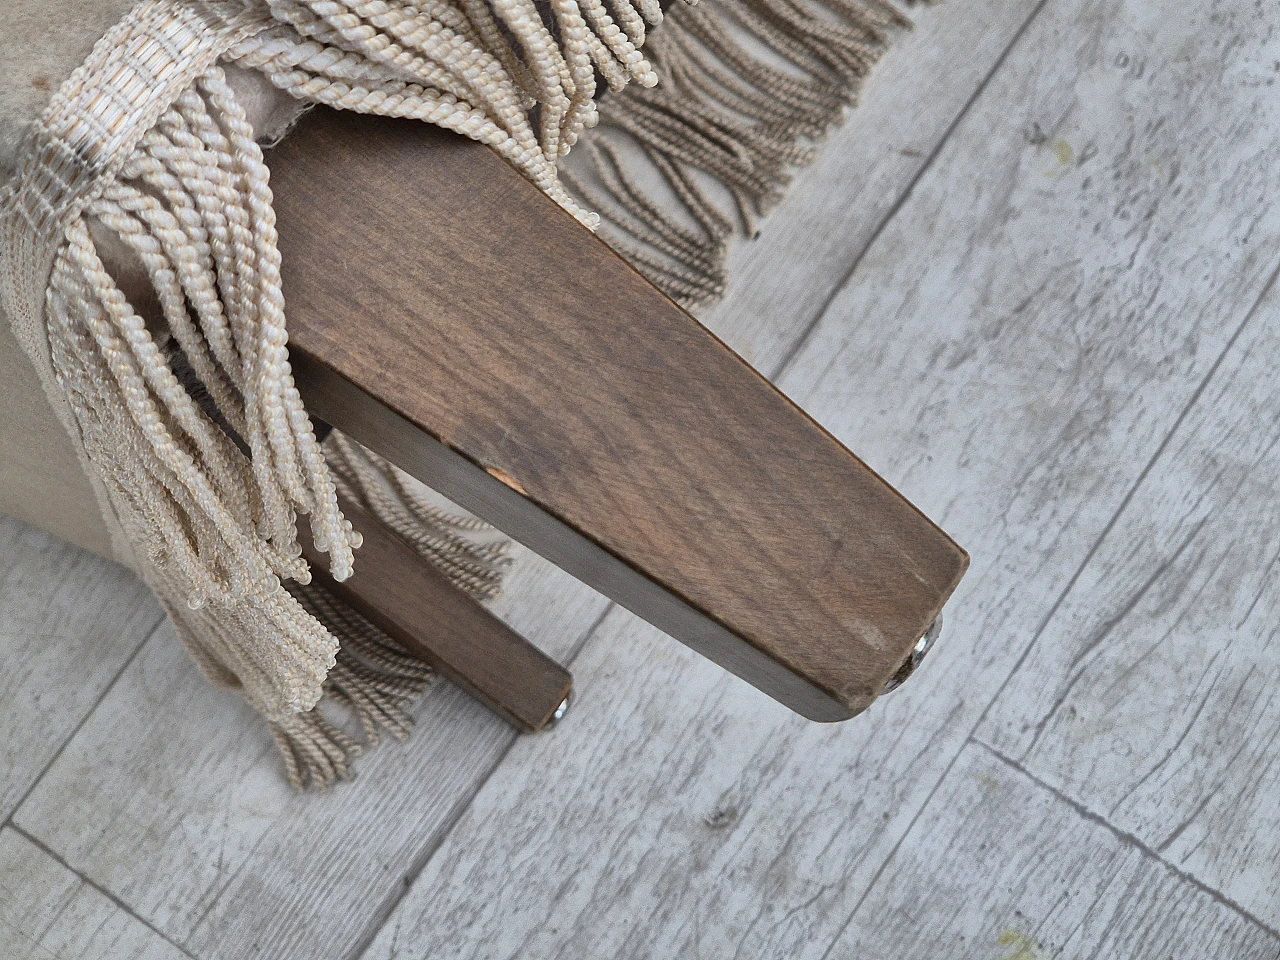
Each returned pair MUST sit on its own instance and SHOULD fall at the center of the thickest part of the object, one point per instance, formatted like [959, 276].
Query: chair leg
[410, 600]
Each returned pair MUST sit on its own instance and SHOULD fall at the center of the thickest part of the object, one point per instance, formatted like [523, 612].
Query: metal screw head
[560, 711]
[922, 647]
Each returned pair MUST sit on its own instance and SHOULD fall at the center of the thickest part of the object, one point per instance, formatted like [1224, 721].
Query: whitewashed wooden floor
[1032, 283]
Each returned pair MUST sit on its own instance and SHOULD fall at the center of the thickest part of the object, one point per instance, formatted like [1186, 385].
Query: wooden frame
[449, 316]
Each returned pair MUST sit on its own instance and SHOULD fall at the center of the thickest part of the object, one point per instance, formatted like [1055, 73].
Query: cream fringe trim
[188, 414]
[468, 551]
[746, 88]
[375, 680]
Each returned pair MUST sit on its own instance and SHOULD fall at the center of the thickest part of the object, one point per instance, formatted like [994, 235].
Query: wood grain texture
[412, 601]
[48, 913]
[576, 408]
[1011, 352]
[999, 867]
[68, 623]
[1151, 695]
[186, 817]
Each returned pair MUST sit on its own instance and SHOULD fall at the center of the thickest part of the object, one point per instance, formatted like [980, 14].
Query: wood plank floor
[1031, 282]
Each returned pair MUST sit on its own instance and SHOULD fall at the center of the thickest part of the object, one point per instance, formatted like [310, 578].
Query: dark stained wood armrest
[449, 316]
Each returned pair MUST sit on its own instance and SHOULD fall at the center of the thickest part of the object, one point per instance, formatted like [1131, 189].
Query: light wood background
[1032, 283]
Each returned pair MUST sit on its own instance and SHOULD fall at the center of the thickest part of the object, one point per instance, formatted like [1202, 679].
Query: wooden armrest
[446, 314]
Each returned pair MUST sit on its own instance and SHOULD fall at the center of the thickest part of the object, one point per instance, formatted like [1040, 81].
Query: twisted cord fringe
[466, 550]
[746, 89]
[374, 679]
[192, 203]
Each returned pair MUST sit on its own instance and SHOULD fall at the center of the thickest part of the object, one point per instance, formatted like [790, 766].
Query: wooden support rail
[416, 604]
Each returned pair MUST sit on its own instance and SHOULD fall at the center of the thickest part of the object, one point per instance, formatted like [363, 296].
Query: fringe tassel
[470, 552]
[478, 67]
[216, 525]
[375, 680]
[746, 88]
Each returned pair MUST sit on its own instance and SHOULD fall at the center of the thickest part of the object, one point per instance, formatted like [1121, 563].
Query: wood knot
[721, 817]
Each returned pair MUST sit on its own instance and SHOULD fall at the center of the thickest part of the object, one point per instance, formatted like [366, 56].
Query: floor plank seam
[116, 901]
[799, 345]
[410, 876]
[587, 634]
[1132, 492]
[151, 632]
[1130, 839]
[807, 331]
[1076, 670]
[884, 864]
[421, 862]
[1205, 381]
